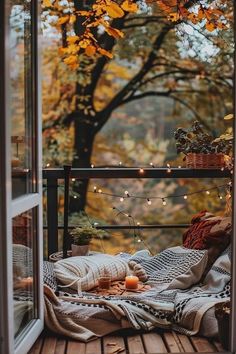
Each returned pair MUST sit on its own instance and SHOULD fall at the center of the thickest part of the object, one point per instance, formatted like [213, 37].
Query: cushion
[208, 232]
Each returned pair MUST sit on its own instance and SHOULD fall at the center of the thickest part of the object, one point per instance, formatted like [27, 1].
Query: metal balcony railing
[52, 175]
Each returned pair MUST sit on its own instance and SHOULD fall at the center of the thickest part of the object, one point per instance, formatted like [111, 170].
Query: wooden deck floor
[127, 343]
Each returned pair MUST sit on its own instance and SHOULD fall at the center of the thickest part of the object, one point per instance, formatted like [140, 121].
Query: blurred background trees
[162, 75]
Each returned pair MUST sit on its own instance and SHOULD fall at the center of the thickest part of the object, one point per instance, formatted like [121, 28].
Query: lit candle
[131, 282]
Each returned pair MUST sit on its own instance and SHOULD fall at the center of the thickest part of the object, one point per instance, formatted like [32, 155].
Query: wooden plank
[36, 349]
[185, 343]
[75, 347]
[218, 346]
[94, 347]
[135, 345]
[49, 345]
[202, 345]
[172, 345]
[118, 342]
[153, 343]
[60, 346]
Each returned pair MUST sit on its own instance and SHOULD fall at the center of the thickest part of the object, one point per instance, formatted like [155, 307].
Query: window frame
[10, 208]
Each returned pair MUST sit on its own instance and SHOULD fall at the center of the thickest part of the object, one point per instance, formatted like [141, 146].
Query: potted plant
[81, 238]
[201, 149]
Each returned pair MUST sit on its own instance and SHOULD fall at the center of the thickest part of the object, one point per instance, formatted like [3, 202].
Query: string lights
[122, 197]
[149, 199]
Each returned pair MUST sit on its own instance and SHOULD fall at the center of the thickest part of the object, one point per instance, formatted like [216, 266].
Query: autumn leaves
[101, 14]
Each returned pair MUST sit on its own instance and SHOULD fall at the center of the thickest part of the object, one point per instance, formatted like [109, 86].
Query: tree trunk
[83, 145]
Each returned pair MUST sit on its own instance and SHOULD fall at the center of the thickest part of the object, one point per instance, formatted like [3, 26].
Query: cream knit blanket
[82, 273]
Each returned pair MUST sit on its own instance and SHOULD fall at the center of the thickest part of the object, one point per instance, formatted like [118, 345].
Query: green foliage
[82, 235]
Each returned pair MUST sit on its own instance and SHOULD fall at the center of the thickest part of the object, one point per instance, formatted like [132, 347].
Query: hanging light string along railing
[149, 198]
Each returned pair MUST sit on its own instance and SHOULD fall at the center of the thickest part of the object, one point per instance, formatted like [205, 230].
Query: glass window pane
[21, 97]
[24, 274]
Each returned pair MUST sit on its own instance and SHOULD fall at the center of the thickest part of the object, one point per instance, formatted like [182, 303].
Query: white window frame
[10, 208]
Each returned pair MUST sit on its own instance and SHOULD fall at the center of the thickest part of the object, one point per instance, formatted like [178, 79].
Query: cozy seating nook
[96, 256]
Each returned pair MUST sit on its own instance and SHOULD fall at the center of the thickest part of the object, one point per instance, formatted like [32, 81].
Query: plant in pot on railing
[81, 238]
[201, 149]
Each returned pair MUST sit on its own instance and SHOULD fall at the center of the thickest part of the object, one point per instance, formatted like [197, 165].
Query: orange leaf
[114, 10]
[105, 52]
[174, 16]
[90, 50]
[210, 26]
[72, 39]
[71, 60]
[72, 19]
[47, 3]
[114, 32]
[129, 6]
[62, 20]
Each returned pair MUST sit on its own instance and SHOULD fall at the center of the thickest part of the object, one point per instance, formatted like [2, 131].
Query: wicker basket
[222, 313]
[213, 161]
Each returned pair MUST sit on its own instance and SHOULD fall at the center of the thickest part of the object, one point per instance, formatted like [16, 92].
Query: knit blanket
[168, 304]
[82, 273]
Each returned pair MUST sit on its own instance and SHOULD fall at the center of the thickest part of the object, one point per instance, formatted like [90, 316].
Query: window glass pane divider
[24, 203]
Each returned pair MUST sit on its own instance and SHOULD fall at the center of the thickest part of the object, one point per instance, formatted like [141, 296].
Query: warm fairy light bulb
[127, 193]
[48, 164]
[121, 199]
[220, 196]
[151, 164]
[149, 202]
[138, 223]
[99, 191]
[120, 163]
[95, 189]
[92, 166]
[185, 197]
[163, 201]
[179, 166]
[222, 169]
[207, 192]
[75, 196]
[73, 179]
[141, 170]
[168, 168]
[139, 240]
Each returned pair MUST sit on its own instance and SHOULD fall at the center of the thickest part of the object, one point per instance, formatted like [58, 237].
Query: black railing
[53, 175]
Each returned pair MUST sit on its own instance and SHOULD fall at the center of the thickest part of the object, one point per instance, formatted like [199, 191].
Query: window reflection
[23, 270]
[20, 96]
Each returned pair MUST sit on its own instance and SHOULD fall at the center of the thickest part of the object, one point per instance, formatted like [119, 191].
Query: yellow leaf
[129, 6]
[73, 49]
[114, 32]
[210, 26]
[90, 50]
[84, 43]
[47, 3]
[72, 19]
[62, 20]
[105, 52]
[72, 59]
[229, 116]
[72, 39]
[114, 10]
